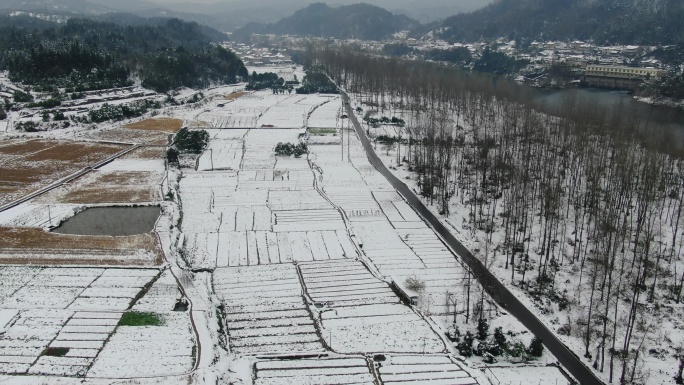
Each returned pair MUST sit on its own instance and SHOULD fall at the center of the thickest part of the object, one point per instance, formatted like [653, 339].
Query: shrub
[536, 348]
[193, 142]
[21, 97]
[172, 156]
[518, 350]
[135, 318]
[482, 329]
[465, 347]
[50, 103]
[500, 339]
[289, 149]
[27, 126]
[415, 284]
[453, 333]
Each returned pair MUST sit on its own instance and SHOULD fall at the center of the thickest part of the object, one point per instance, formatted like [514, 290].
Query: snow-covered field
[266, 258]
[77, 310]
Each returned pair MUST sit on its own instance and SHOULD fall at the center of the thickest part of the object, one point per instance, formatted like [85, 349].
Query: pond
[112, 221]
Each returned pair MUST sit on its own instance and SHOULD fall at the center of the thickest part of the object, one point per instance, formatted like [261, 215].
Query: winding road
[492, 285]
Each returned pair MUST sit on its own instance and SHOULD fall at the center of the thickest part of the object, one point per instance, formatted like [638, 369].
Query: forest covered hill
[644, 22]
[86, 54]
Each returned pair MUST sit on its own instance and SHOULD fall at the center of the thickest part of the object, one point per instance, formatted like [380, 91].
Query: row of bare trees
[583, 208]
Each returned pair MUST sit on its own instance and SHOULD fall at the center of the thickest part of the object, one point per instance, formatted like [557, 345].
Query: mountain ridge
[356, 21]
[648, 22]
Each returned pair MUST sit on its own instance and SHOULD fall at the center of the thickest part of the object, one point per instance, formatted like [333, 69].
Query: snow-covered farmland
[415, 370]
[331, 371]
[64, 322]
[344, 283]
[528, 375]
[146, 351]
[265, 310]
[395, 239]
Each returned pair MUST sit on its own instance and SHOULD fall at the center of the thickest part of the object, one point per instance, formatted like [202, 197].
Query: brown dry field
[46, 162]
[108, 187]
[235, 95]
[158, 124]
[148, 137]
[17, 147]
[200, 124]
[148, 152]
[35, 246]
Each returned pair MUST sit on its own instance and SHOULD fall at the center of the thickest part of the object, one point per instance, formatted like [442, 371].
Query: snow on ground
[265, 310]
[146, 351]
[75, 311]
[300, 254]
[151, 165]
[326, 115]
[36, 215]
[331, 371]
[377, 329]
[528, 375]
[287, 72]
[415, 370]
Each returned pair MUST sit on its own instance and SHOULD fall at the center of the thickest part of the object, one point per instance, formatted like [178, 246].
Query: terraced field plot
[378, 328]
[344, 283]
[26, 166]
[105, 186]
[38, 247]
[130, 135]
[145, 351]
[307, 220]
[157, 124]
[61, 318]
[332, 371]
[265, 310]
[418, 370]
[394, 237]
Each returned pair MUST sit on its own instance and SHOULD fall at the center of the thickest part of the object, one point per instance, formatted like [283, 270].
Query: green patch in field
[322, 131]
[135, 318]
[55, 352]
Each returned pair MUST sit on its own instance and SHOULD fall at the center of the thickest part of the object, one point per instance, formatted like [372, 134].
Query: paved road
[491, 284]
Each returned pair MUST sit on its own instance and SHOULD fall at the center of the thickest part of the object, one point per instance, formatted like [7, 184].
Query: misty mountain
[604, 21]
[228, 15]
[52, 6]
[237, 13]
[357, 21]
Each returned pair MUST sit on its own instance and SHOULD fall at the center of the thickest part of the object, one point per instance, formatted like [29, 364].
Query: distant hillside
[89, 54]
[604, 21]
[358, 21]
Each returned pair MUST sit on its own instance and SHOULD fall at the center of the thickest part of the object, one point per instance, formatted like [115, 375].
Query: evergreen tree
[536, 348]
[500, 339]
[482, 329]
[465, 347]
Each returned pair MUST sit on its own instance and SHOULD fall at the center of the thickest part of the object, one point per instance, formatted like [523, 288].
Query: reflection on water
[668, 117]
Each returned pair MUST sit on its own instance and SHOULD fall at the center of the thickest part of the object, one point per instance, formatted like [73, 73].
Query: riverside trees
[583, 209]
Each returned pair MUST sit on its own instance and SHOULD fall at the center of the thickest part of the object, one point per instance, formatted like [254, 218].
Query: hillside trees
[87, 54]
[583, 209]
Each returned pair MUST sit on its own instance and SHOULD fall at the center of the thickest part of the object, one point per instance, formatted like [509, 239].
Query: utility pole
[348, 136]
[342, 128]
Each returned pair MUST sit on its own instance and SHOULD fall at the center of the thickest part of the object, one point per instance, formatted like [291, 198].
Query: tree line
[584, 209]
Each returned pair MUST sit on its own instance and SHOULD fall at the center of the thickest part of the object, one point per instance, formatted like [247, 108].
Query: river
[670, 118]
